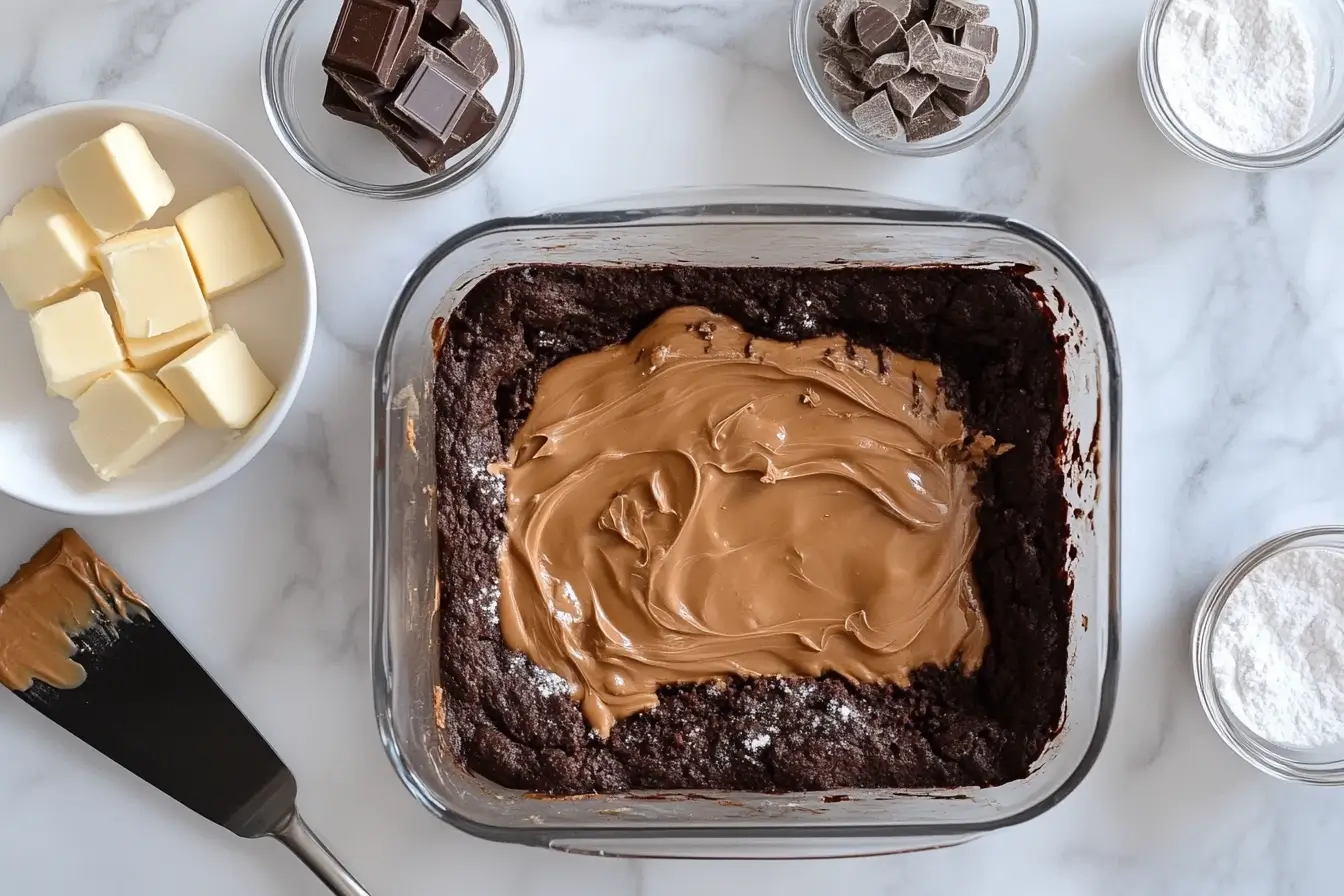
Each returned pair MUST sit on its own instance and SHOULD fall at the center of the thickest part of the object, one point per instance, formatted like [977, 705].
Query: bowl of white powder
[1245, 84]
[1268, 647]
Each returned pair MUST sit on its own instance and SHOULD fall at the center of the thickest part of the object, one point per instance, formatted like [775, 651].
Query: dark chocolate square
[342, 105]
[440, 19]
[435, 96]
[479, 119]
[468, 46]
[368, 38]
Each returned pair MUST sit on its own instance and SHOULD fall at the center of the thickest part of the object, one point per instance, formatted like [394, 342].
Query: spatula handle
[301, 840]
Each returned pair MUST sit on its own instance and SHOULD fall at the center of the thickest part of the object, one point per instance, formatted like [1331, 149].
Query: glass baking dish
[760, 226]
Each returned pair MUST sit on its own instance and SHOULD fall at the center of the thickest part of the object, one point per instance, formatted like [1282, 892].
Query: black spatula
[80, 647]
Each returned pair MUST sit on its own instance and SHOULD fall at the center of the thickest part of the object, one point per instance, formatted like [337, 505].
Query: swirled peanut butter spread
[700, 503]
[66, 590]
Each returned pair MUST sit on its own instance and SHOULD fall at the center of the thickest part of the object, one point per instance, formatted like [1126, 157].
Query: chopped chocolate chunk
[836, 18]
[363, 94]
[934, 121]
[956, 14]
[925, 51]
[856, 62]
[983, 39]
[964, 102]
[479, 120]
[435, 96]
[887, 67]
[919, 9]
[875, 117]
[367, 40]
[844, 86]
[910, 91]
[878, 28]
[384, 71]
[468, 46]
[958, 67]
[342, 105]
[444, 13]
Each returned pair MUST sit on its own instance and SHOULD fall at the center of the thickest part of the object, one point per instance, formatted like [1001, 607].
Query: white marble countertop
[1223, 287]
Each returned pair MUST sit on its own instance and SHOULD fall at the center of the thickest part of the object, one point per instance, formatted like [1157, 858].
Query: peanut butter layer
[699, 503]
[64, 591]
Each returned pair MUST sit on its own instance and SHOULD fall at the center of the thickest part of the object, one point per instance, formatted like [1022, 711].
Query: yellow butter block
[115, 182]
[76, 344]
[123, 419]
[46, 250]
[153, 284]
[228, 242]
[218, 382]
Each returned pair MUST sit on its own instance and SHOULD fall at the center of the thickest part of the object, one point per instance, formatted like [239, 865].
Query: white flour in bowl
[1241, 74]
[1278, 649]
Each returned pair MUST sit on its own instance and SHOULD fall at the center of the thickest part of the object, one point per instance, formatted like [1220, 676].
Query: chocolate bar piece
[910, 91]
[983, 39]
[958, 67]
[964, 102]
[956, 14]
[479, 119]
[435, 96]
[887, 67]
[836, 18]
[368, 38]
[440, 19]
[856, 62]
[875, 117]
[342, 105]
[844, 86]
[427, 154]
[932, 121]
[925, 50]
[384, 73]
[468, 46]
[878, 28]
[919, 10]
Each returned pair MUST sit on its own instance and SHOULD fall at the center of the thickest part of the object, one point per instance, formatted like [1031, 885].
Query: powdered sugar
[1278, 649]
[1241, 74]
[548, 683]
[757, 742]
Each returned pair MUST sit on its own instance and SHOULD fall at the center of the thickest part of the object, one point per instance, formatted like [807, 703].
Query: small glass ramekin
[1016, 21]
[1324, 766]
[357, 159]
[1325, 20]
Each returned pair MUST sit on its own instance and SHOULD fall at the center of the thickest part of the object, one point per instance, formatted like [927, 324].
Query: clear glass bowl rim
[1231, 729]
[278, 113]
[1028, 19]
[831, 204]
[1190, 143]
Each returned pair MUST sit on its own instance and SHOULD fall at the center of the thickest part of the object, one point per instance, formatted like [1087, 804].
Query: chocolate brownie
[513, 723]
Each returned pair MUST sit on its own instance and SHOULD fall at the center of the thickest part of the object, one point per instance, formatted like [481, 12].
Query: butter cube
[228, 241]
[115, 181]
[76, 344]
[123, 419]
[218, 383]
[152, 353]
[153, 284]
[46, 250]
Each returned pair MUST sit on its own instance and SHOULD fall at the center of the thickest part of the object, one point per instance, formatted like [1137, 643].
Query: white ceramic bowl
[275, 316]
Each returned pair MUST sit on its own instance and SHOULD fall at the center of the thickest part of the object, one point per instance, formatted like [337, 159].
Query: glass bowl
[750, 226]
[1325, 20]
[1016, 21]
[1324, 766]
[351, 157]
